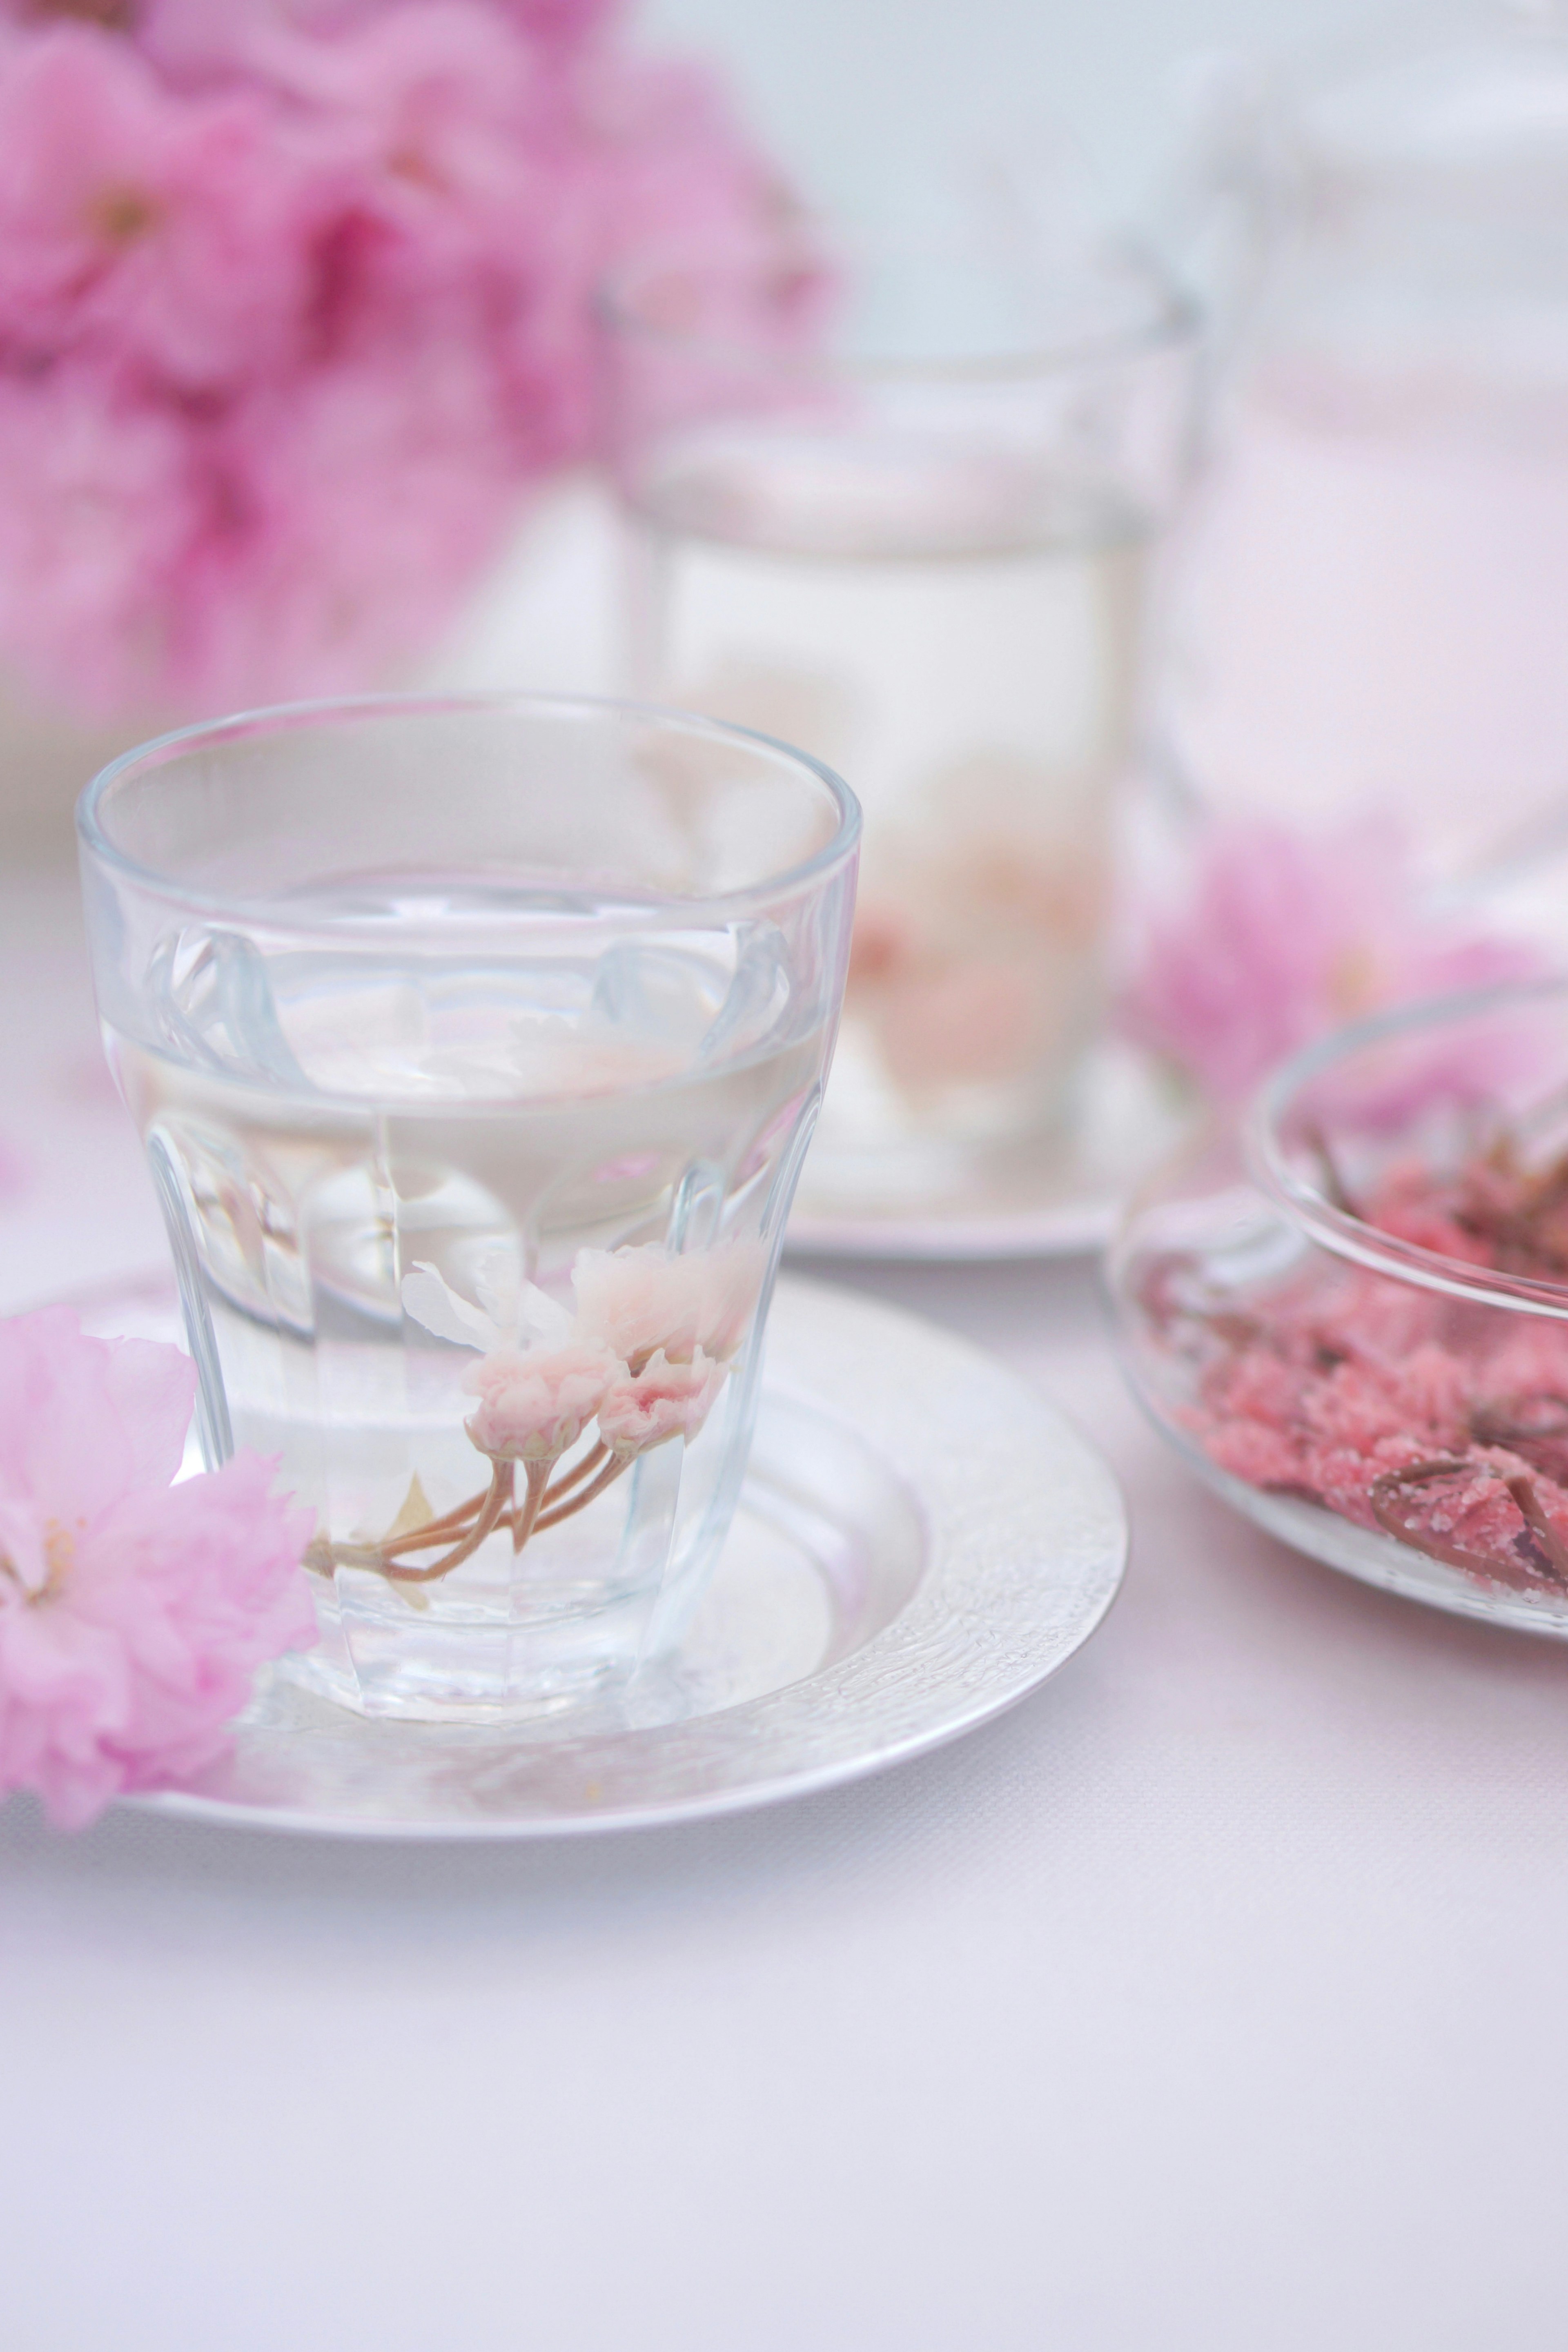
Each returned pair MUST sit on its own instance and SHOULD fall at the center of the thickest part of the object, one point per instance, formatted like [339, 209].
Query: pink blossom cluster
[133, 1612]
[534, 1406]
[646, 1354]
[1280, 936]
[294, 302]
[1396, 1406]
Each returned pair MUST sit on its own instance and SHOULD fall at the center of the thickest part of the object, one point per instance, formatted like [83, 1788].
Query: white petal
[498, 1278]
[435, 1305]
[543, 1319]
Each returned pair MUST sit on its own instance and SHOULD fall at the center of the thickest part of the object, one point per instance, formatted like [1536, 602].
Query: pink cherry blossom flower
[205, 36]
[133, 1613]
[1282, 937]
[663, 1401]
[564, 26]
[641, 1300]
[535, 1405]
[98, 505]
[258, 261]
[427, 105]
[319, 569]
[174, 231]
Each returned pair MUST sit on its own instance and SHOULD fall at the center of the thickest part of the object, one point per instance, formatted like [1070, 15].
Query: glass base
[473, 1672]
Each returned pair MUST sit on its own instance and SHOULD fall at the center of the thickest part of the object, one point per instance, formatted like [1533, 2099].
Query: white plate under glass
[922, 1541]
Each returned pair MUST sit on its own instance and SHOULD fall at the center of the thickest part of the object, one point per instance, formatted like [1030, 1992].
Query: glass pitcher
[1367, 607]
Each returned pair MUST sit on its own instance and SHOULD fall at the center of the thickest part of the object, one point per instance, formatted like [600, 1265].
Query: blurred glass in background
[1368, 604]
[909, 534]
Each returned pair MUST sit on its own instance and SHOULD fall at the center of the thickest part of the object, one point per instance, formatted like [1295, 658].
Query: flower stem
[434, 1531]
[494, 1504]
[537, 1474]
[607, 1477]
[543, 1505]
[563, 1486]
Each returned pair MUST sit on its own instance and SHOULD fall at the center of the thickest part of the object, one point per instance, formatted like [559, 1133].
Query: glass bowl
[1348, 1311]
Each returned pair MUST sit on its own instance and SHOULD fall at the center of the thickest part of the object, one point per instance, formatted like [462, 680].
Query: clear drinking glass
[476, 1044]
[898, 510]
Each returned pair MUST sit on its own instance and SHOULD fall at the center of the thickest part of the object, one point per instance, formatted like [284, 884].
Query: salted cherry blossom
[133, 1612]
[632, 1300]
[1396, 1406]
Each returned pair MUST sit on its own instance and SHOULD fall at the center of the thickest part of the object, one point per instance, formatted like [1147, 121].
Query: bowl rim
[1339, 1231]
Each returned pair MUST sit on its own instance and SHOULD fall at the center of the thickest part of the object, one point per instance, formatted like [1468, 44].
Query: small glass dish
[1348, 1313]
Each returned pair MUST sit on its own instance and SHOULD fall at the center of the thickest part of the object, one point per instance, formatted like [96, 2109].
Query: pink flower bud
[533, 1406]
[661, 1402]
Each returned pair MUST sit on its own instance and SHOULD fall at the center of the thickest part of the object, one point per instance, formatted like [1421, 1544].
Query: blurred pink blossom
[1280, 937]
[193, 39]
[164, 236]
[133, 1613]
[296, 303]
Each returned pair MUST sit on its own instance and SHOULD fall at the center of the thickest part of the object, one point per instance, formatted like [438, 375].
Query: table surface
[1208, 1999]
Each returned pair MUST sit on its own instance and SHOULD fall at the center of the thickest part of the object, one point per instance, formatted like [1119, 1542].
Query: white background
[1211, 2000]
[859, 97]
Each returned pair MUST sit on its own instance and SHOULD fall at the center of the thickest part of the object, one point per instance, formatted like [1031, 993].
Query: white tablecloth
[1209, 2000]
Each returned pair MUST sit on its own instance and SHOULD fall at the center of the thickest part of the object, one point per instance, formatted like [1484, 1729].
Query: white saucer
[1058, 1195]
[922, 1541]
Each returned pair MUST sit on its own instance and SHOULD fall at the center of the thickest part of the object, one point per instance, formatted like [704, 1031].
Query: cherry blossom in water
[645, 1354]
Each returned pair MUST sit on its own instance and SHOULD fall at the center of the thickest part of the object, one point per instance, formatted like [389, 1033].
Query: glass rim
[281, 717]
[1326, 91]
[1174, 320]
[1338, 1230]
